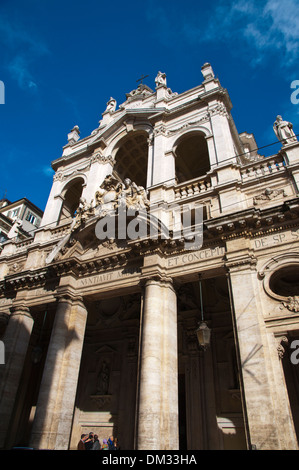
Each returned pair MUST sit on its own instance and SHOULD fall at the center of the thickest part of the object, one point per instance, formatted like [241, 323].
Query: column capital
[241, 263]
[64, 297]
[21, 309]
[157, 279]
[70, 299]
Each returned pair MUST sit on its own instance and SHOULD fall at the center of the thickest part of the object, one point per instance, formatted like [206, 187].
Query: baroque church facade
[158, 299]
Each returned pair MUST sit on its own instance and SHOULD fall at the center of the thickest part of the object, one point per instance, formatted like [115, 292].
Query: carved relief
[280, 348]
[111, 195]
[268, 195]
[292, 304]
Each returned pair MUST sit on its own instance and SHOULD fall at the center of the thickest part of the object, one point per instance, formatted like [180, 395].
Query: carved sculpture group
[111, 195]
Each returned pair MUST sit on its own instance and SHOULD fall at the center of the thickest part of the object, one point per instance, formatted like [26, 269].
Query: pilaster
[250, 336]
[16, 340]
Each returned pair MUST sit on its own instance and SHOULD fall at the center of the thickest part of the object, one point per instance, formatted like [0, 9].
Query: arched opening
[192, 157]
[131, 158]
[71, 197]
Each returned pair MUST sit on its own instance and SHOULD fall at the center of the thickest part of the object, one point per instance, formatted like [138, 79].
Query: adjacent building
[158, 299]
[19, 219]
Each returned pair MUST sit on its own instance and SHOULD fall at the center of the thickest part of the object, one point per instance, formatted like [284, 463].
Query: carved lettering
[108, 277]
[272, 240]
[196, 256]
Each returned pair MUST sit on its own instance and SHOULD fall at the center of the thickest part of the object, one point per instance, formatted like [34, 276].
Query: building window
[30, 218]
[15, 213]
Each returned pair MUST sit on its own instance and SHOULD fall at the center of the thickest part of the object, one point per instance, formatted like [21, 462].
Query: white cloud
[22, 50]
[261, 28]
[19, 70]
[255, 30]
[48, 171]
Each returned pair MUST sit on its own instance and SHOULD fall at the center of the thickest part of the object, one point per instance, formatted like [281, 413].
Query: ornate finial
[207, 71]
[74, 135]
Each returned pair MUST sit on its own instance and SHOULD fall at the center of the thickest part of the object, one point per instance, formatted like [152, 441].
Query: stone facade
[99, 325]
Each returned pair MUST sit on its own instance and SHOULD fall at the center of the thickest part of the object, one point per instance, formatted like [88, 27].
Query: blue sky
[62, 60]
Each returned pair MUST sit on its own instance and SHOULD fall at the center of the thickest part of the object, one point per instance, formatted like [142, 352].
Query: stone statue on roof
[160, 79]
[284, 131]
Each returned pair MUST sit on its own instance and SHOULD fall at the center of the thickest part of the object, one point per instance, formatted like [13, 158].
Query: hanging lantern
[203, 334]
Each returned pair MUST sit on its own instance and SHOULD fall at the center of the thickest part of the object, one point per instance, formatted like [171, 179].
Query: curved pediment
[104, 219]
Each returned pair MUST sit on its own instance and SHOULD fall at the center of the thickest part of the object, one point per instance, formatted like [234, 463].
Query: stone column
[54, 412]
[16, 340]
[157, 415]
[250, 335]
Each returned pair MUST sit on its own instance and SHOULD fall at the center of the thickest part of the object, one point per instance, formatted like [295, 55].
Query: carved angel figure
[108, 191]
[84, 211]
[134, 196]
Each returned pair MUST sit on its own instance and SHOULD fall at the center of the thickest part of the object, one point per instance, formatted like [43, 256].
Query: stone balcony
[262, 168]
[195, 187]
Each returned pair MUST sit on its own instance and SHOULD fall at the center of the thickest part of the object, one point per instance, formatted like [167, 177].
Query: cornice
[254, 221]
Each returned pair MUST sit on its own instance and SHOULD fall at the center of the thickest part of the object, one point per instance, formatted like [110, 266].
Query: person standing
[111, 443]
[89, 441]
[96, 443]
[81, 443]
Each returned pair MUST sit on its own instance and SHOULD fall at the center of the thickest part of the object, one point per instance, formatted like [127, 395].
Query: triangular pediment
[105, 349]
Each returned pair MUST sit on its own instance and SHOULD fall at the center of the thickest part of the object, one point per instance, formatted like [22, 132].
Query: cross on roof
[141, 79]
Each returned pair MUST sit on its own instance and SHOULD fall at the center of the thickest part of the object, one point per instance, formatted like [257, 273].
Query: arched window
[192, 157]
[71, 197]
[131, 158]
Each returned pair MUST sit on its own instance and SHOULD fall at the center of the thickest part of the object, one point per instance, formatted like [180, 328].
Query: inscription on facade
[109, 276]
[277, 239]
[196, 256]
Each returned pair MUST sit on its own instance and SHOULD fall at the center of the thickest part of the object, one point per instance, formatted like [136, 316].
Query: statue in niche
[160, 79]
[103, 379]
[284, 131]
